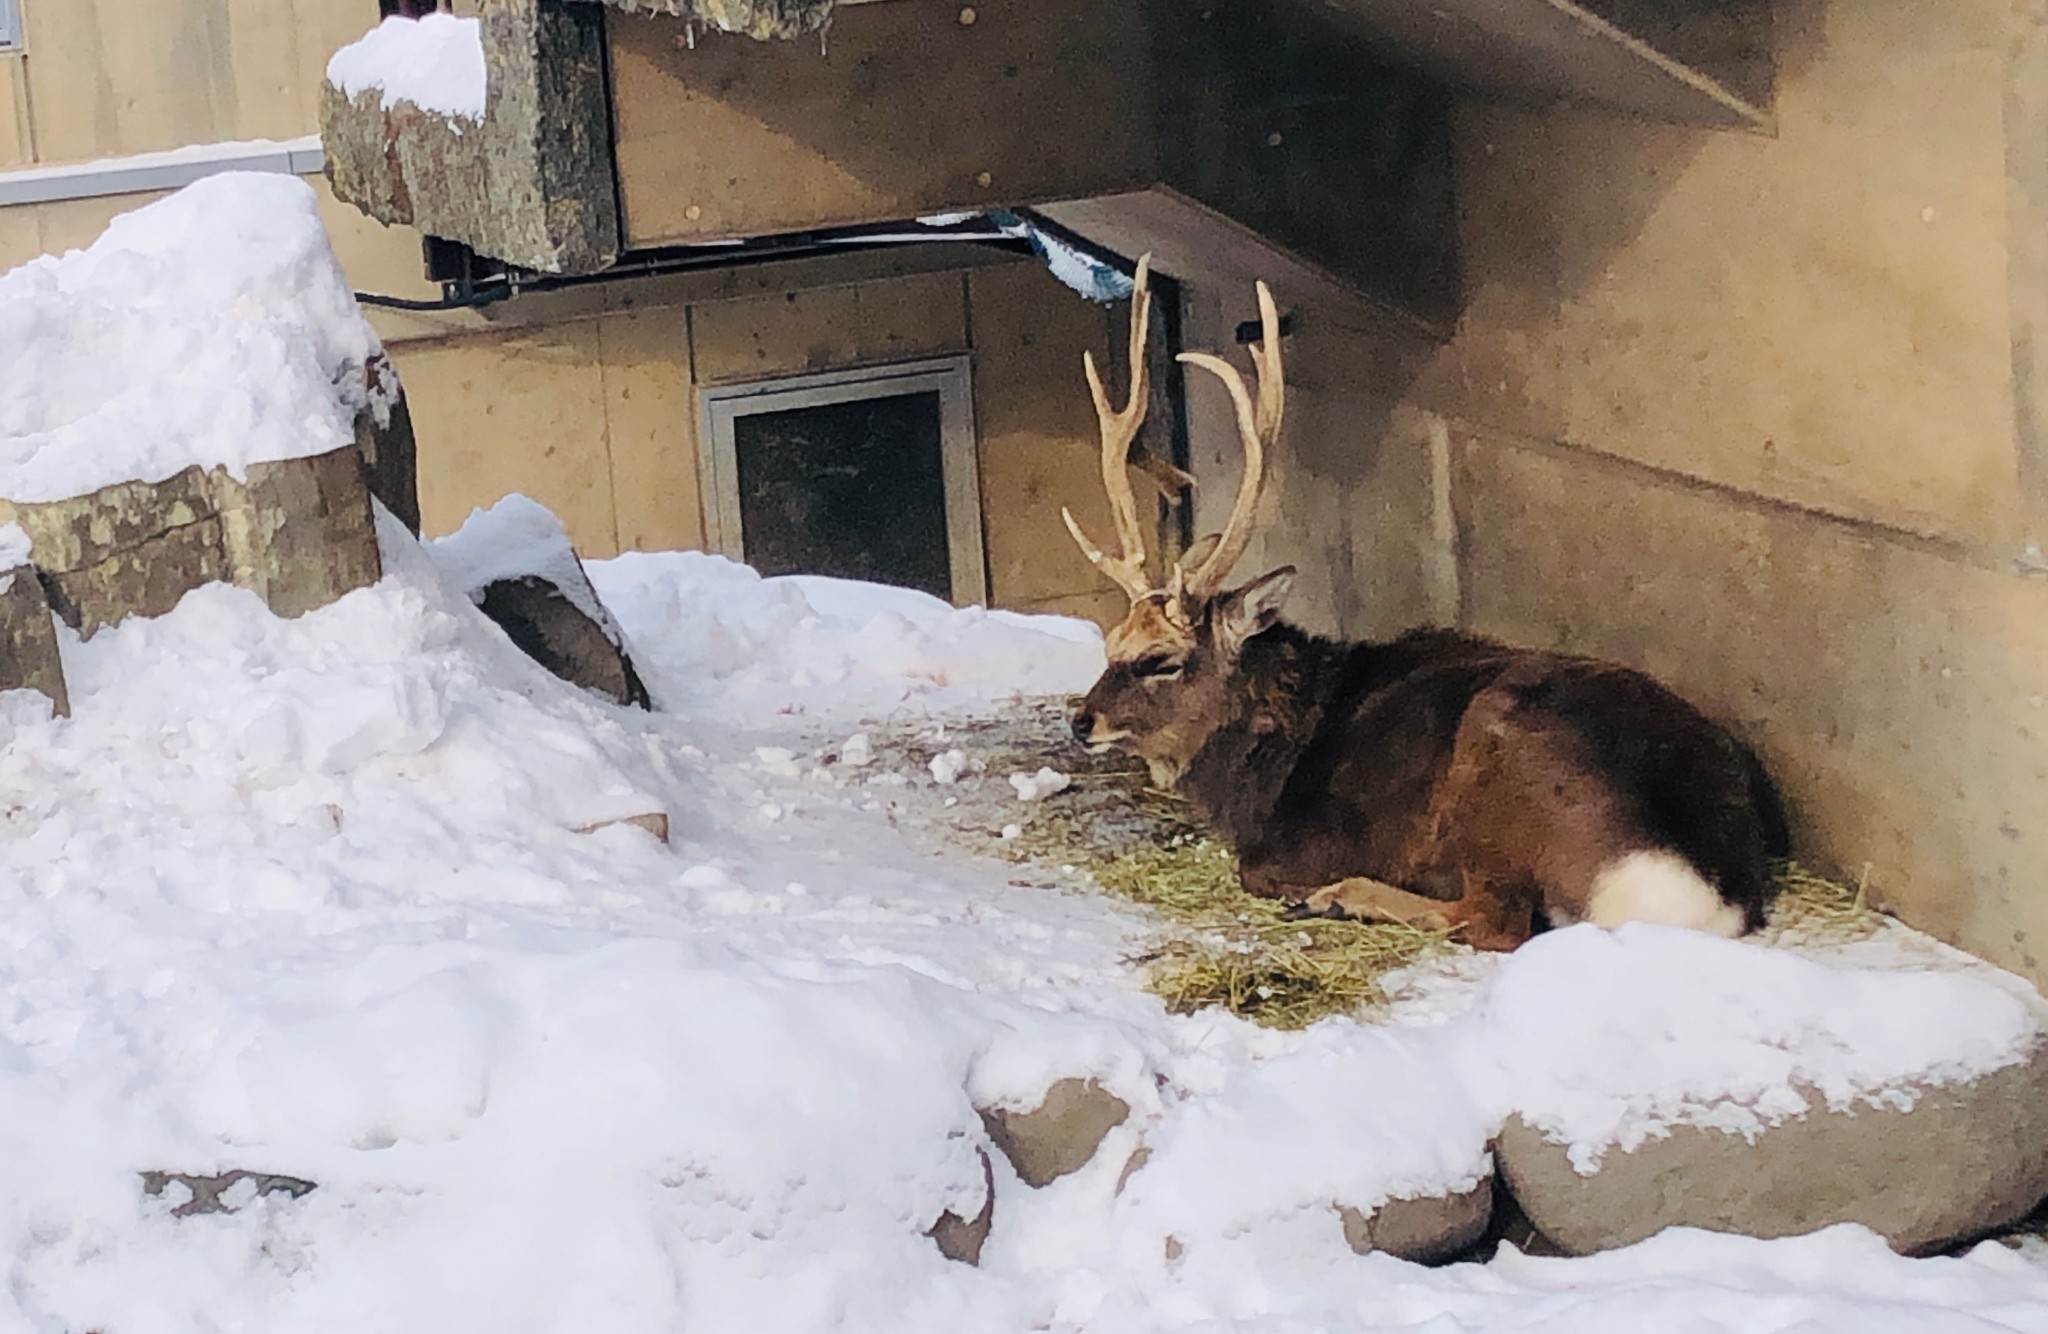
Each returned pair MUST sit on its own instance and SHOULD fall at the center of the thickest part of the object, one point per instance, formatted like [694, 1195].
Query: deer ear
[1244, 612]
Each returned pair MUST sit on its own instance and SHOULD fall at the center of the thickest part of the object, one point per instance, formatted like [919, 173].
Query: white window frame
[10, 25]
[720, 406]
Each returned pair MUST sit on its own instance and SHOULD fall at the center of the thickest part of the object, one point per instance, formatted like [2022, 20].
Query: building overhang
[1320, 127]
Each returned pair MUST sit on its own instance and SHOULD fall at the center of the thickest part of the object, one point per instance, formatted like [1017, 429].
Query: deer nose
[1084, 726]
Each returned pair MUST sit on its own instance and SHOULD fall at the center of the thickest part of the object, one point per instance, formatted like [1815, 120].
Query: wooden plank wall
[104, 78]
[594, 412]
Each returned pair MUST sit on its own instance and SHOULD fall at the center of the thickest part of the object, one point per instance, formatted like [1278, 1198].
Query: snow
[515, 538]
[947, 766]
[14, 546]
[1037, 787]
[715, 638]
[435, 62]
[212, 327]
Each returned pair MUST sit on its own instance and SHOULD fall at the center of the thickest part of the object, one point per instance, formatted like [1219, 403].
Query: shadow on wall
[1359, 492]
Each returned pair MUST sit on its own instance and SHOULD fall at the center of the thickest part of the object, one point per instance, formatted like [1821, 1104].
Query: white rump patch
[1661, 888]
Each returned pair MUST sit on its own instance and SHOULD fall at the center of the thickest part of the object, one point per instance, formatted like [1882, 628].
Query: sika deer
[1439, 778]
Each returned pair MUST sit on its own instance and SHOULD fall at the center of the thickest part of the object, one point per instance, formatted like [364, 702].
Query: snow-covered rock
[1928, 1167]
[1663, 1078]
[28, 637]
[195, 397]
[1060, 1134]
[516, 563]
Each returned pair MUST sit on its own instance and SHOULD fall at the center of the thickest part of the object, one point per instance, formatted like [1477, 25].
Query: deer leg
[1484, 918]
[1376, 901]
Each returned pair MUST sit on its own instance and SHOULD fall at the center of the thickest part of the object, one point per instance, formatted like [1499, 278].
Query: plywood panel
[113, 77]
[375, 257]
[1105, 608]
[652, 429]
[15, 141]
[1040, 447]
[1821, 317]
[322, 28]
[789, 333]
[522, 412]
[73, 224]
[21, 237]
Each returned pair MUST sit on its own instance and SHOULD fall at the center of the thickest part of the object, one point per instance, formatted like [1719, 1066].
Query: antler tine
[1119, 429]
[1259, 427]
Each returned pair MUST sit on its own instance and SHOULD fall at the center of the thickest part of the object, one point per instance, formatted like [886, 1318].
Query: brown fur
[1439, 778]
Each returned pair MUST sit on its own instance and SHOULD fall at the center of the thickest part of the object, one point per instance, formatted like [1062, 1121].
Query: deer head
[1172, 659]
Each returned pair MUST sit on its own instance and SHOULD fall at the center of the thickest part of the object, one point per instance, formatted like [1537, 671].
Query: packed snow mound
[715, 636]
[435, 62]
[513, 539]
[213, 327]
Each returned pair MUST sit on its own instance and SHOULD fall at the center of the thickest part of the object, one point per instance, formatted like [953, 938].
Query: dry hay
[1813, 910]
[1216, 945]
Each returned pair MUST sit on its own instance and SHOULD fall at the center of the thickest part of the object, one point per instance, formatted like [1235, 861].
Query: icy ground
[310, 897]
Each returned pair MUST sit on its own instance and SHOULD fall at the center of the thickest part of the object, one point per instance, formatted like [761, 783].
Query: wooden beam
[1197, 245]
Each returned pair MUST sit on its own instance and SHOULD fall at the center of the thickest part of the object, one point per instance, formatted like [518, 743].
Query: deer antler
[1119, 429]
[1259, 427]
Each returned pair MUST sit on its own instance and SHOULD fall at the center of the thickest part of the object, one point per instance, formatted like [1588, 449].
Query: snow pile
[213, 327]
[515, 538]
[435, 62]
[1350, 1116]
[14, 546]
[714, 637]
[1605, 1039]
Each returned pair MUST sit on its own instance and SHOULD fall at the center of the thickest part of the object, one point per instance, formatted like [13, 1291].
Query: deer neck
[1283, 683]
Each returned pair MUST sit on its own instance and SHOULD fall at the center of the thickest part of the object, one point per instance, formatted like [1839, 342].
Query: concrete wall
[1759, 413]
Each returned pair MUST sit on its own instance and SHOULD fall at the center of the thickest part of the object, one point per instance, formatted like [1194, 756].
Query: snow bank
[715, 637]
[435, 62]
[213, 327]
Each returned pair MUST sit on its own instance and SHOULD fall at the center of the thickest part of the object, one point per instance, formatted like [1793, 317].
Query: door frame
[720, 406]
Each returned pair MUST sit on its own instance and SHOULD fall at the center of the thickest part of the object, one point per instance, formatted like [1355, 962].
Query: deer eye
[1158, 666]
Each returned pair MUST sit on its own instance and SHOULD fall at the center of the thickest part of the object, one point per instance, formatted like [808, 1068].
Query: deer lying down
[1439, 779]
